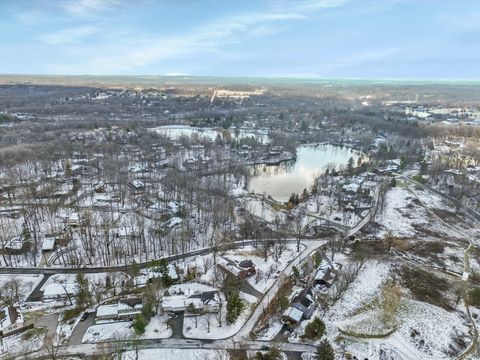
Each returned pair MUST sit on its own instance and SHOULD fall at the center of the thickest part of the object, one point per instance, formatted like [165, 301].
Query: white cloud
[209, 38]
[68, 35]
[134, 50]
[87, 7]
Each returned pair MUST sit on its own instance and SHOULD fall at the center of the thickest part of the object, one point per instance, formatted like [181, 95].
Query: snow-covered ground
[274, 327]
[21, 343]
[157, 328]
[267, 270]
[59, 285]
[27, 283]
[108, 331]
[199, 329]
[176, 354]
[398, 217]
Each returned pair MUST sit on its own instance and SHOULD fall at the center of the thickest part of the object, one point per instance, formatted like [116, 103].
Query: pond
[175, 132]
[280, 181]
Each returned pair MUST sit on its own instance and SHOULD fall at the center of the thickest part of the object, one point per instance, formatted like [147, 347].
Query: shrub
[272, 354]
[71, 313]
[426, 286]
[474, 297]
[314, 330]
[419, 178]
[30, 334]
[139, 324]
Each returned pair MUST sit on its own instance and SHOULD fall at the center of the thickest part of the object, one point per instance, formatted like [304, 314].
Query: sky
[406, 39]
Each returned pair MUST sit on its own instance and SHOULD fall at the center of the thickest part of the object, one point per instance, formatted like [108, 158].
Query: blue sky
[423, 39]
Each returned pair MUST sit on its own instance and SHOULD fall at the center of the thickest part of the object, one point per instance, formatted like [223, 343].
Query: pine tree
[83, 295]
[325, 351]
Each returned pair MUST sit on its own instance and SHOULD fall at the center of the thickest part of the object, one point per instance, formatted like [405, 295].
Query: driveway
[81, 329]
[49, 322]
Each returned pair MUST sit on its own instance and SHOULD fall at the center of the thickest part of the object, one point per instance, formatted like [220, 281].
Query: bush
[426, 286]
[273, 354]
[419, 178]
[30, 334]
[474, 297]
[139, 324]
[314, 330]
[71, 313]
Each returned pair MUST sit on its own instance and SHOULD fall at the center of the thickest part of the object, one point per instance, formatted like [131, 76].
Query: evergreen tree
[83, 295]
[325, 351]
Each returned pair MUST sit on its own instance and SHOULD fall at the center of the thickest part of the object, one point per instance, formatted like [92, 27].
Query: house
[11, 321]
[180, 303]
[208, 301]
[58, 290]
[325, 275]
[146, 276]
[138, 185]
[48, 244]
[124, 309]
[242, 270]
[305, 302]
[192, 296]
[107, 312]
[292, 316]
[248, 266]
[128, 308]
[302, 307]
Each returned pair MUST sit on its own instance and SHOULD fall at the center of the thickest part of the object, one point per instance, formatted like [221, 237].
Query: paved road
[244, 333]
[294, 350]
[37, 294]
[99, 269]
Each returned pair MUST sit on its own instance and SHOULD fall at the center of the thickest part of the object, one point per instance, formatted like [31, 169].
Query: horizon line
[279, 77]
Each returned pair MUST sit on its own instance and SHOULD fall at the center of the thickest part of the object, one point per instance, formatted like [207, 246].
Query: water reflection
[280, 181]
[175, 132]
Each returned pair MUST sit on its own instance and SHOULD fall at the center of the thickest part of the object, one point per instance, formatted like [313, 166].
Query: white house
[124, 309]
[11, 321]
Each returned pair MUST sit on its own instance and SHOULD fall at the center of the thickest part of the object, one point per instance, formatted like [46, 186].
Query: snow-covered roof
[181, 302]
[293, 314]
[322, 271]
[351, 187]
[48, 244]
[107, 310]
[234, 270]
[189, 289]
